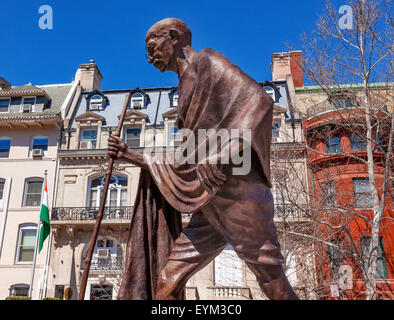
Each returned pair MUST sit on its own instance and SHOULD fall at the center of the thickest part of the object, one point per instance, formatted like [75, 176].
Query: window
[39, 143]
[271, 92]
[175, 137]
[107, 255]
[328, 190]
[343, 103]
[175, 100]
[20, 290]
[333, 145]
[291, 270]
[26, 243]
[4, 105]
[28, 104]
[381, 270]
[276, 132]
[117, 192]
[133, 137]
[2, 183]
[228, 268]
[59, 292]
[137, 101]
[380, 145]
[362, 193]
[33, 192]
[5, 145]
[335, 258]
[357, 142]
[96, 102]
[88, 139]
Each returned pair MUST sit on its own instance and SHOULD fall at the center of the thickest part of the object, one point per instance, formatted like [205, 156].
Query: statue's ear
[174, 34]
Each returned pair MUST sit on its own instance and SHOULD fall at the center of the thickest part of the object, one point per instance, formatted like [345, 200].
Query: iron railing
[291, 211]
[90, 213]
[112, 263]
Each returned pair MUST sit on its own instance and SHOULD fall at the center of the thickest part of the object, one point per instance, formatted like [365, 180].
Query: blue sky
[113, 32]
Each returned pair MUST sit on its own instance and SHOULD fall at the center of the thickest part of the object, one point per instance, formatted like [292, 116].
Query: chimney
[284, 64]
[90, 76]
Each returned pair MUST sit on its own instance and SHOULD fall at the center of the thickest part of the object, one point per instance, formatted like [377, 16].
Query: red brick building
[340, 197]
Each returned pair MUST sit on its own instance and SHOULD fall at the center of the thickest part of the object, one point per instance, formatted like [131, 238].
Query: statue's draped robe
[213, 94]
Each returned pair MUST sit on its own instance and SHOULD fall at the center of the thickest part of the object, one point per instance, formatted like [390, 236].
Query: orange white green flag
[44, 217]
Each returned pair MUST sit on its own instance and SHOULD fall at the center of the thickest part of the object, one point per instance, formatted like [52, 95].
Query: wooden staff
[100, 214]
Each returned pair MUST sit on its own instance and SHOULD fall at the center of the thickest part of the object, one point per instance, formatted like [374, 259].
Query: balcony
[291, 212]
[110, 264]
[230, 293]
[90, 214]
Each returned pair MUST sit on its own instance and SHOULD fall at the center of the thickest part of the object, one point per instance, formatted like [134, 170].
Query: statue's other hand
[210, 177]
[117, 148]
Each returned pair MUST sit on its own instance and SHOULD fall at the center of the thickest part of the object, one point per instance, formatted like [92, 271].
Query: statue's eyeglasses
[149, 48]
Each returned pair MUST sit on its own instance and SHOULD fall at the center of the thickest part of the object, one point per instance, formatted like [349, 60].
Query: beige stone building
[30, 127]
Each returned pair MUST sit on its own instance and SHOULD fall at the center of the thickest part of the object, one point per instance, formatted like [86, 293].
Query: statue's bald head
[166, 25]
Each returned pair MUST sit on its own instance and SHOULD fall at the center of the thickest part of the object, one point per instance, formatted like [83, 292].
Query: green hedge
[18, 298]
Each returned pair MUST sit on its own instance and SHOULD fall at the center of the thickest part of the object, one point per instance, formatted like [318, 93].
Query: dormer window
[173, 97]
[96, 102]
[28, 104]
[137, 101]
[270, 91]
[175, 100]
[4, 105]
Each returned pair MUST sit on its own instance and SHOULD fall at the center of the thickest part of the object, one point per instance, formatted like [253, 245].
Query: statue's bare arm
[118, 150]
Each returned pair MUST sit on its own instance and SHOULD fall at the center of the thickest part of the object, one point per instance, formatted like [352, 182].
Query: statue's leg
[244, 213]
[273, 282]
[197, 245]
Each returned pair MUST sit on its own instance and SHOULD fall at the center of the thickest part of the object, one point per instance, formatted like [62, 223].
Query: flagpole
[37, 238]
[46, 270]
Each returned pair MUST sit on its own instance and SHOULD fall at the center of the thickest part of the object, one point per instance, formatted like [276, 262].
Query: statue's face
[160, 51]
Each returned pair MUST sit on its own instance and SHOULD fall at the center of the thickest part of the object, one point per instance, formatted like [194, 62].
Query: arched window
[173, 96]
[271, 92]
[117, 192]
[33, 192]
[26, 243]
[96, 102]
[175, 99]
[137, 100]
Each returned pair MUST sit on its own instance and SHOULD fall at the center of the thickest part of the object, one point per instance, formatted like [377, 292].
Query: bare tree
[346, 60]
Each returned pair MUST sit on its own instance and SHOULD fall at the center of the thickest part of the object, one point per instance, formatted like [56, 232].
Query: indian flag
[44, 217]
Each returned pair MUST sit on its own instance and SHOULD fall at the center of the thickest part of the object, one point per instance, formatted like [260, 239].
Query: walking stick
[100, 214]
